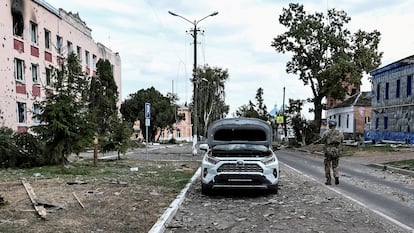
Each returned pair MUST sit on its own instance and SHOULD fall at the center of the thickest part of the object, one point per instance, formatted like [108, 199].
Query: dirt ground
[107, 207]
[113, 203]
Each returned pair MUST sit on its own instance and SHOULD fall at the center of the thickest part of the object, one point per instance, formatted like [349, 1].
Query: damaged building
[393, 103]
[35, 36]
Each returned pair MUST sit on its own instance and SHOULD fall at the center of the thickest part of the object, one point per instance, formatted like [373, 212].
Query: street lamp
[195, 83]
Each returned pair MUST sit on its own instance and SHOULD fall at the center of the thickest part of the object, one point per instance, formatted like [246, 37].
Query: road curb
[159, 226]
[393, 169]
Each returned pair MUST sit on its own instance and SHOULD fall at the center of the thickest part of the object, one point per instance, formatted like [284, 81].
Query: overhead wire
[181, 61]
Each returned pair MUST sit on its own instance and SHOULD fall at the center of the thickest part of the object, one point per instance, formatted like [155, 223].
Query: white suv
[239, 154]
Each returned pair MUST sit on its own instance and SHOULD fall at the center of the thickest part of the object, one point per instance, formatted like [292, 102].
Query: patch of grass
[404, 164]
[350, 150]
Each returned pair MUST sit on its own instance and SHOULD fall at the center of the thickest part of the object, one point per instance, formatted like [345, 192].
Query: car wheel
[273, 189]
[205, 189]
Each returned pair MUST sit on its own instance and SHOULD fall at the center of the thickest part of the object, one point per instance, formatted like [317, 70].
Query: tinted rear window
[240, 135]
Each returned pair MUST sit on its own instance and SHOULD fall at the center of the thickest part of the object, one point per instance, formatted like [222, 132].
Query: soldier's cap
[331, 123]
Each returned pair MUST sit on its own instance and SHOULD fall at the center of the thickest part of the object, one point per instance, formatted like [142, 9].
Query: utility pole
[284, 115]
[195, 80]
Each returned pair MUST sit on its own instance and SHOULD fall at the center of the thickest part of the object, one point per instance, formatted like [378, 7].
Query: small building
[352, 115]
[182, 130]
[393, 103]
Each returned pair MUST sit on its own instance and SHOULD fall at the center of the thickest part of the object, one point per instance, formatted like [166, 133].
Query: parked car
[239, 154]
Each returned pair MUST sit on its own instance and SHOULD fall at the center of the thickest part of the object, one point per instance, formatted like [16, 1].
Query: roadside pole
[147, 123]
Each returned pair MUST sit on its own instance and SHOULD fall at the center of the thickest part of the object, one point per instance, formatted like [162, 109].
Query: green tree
[163, 110]
[65, 124]
[211, 96]
[103, 106]
[8, 149]
[261, 107]
[325, 53]
[103, 97]
[258, 110]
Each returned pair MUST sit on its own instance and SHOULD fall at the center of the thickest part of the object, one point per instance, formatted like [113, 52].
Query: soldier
[333, 145]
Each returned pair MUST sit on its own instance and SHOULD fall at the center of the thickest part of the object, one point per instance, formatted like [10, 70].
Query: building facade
[182, 130]
[353, 115]
[35, 36]
[393, 102]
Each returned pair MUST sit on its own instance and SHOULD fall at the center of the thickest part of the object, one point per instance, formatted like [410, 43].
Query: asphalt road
[358, 184]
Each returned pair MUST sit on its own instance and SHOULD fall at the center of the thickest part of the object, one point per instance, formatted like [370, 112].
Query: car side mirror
[276, 147]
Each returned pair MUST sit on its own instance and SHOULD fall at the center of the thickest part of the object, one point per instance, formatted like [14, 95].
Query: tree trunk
[318, 107]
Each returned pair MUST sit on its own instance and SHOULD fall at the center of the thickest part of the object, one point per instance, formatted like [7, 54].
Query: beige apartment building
[35, 36]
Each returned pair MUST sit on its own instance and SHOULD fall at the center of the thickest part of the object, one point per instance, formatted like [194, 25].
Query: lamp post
[195, 81]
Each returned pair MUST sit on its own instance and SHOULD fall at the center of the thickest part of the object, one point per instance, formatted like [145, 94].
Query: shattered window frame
[35, 73]
[36, 112]
[79, 53]
[59, 42]
[47, 39]
[18, 23]
[21, 112]
[18, 70]
[70, 47]
[48, 73]
[94, 61]
[87, 58]
[33, 33]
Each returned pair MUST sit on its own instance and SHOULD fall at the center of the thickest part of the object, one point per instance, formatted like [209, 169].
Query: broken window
[79, 53]
[385, 122]
[409, 82]
[36, 112]
[94, 61]
[33, 33]
[48, 77]
[87, 58]
[21, 112]
[18, 70]
[17, 14]
[59, 41]
[70, 47]
[35, 73]
[47, 39]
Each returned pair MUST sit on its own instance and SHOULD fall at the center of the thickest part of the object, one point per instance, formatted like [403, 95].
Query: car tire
[205, 189]
[273, 189]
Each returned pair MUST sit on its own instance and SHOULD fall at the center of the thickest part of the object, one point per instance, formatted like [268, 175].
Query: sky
[157, 51]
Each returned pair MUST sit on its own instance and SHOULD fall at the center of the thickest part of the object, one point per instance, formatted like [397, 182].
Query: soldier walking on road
[333, 139]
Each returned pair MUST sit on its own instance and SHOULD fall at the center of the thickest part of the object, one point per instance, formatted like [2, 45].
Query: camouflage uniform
[332, 150]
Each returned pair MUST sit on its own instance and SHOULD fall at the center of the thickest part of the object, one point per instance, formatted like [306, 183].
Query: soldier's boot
[328, 181]
[336, 180]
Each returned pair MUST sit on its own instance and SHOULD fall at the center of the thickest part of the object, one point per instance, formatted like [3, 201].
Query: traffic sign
[147, 110]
